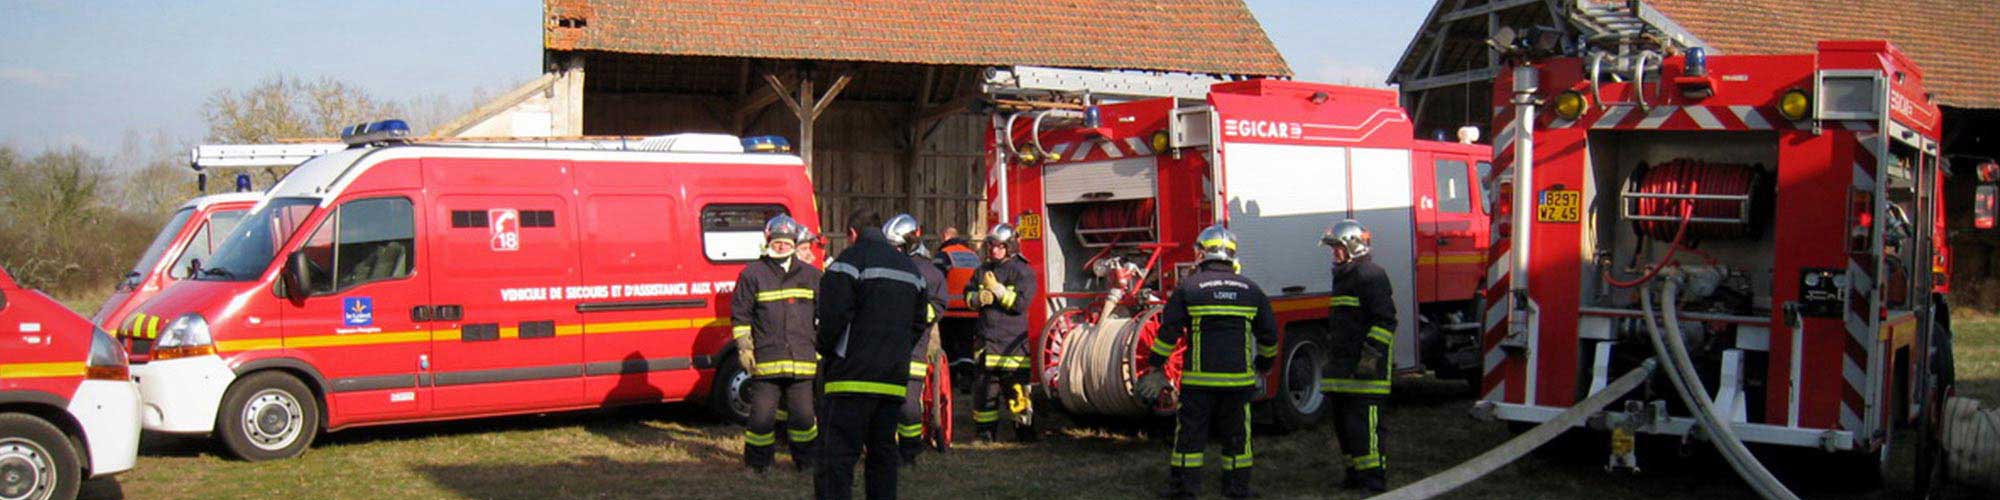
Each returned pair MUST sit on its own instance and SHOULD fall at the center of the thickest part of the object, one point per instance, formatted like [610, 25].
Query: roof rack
[286, 154]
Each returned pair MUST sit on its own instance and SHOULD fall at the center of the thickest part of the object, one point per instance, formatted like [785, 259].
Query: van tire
[726, 396]
[33, 446]
[268, 415]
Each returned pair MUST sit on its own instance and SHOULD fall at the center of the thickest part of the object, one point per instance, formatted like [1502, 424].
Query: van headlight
[186, 336]
[107, 358]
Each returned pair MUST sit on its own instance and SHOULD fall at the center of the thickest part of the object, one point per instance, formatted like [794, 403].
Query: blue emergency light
[1092, 118]
[372, 132]
[242, 183]
[766, 144]
[1697, 62]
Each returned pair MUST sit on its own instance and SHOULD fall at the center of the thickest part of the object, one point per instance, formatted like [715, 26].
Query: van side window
[1452, 192]
[735, 233]
[363, 242]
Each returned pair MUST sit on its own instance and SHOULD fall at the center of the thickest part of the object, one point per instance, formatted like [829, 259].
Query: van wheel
[1299, 403]
[729, 396]
[268, 416]
[36, 461]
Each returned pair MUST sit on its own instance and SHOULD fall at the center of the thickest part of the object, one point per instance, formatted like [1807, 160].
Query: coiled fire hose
[1971, 439]
[1096, 371]
[1694, 394]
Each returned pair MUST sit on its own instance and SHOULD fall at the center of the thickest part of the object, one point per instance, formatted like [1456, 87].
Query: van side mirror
[1985, 205]
[297, 276]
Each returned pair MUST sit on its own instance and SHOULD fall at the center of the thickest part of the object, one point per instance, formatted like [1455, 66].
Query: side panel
[1281, 197]
[1381, 179]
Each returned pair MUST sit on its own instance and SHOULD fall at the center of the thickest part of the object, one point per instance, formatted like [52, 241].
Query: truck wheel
[729, 397]
[1299, 403]
[268, 416]
[36, 461]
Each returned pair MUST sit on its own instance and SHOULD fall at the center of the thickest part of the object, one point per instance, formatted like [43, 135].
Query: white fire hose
[1971, 440]
[1095, 374]
[1695, 394]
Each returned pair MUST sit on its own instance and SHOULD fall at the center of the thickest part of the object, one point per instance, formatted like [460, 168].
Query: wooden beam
[778, 88]
[955, 106]
[750, 105]
[839, 83]
[1447, 80]
[916, 144]
[1491, 7]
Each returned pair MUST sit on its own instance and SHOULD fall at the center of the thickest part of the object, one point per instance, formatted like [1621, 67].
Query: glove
[983, 298]
[1372, 363]
[748, 357]
[933, 351]
[1149, 386]
[992, 288]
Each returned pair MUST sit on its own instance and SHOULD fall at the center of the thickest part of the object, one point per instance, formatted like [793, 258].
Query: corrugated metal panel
[1122, 179]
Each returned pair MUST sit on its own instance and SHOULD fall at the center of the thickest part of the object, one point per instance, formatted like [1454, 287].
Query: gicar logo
[1263, 129]
[357, 311]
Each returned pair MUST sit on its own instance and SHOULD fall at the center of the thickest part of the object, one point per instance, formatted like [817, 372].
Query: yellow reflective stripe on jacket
[785, 293]
[1267, 351]
[759, 439]
[1162, 347]
[919, 369]
[1185, 460]
[786, 367]
[864, 387]
[1007, 299]
[800, 436]
[930, 313]
[1353, 386]
[1382, 335]
[1244, 311]
[986, 417]
[1205, 379]
[1006, 362]
[910, 431]
[739, 331]
[1344, 300]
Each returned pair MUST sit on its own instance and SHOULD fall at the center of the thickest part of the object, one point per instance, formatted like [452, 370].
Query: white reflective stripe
[1139, 146]
[1506, 135]
[892, 274]
[1703, 118]
[1501, 266]
[1059, 149]
[1856, 378]
[1110, 149]
[1752, 119]
[1494, 357]
[1612, 117]
[1657, 116]
[1848, 419]
[844, 268]
[1561, 123]
[1498, 391]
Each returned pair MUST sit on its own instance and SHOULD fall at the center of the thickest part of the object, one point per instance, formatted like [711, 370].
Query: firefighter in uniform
[958, 259]
[772, 314]
[1001, 290]
[1363, 323]
[904, 232]
[872, 311]
[1232, 339]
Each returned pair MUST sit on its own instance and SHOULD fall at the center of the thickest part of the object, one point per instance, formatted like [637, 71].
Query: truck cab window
[364, 242]
[1453, 193]
[735, 233]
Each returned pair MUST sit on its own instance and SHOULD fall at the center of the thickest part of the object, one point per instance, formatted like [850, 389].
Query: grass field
[676, 451]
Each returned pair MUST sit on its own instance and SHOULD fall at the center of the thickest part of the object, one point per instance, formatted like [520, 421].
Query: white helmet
[1348, 234]
[783, 228]
[1002, 234]
[1216, 243]
[902, 231]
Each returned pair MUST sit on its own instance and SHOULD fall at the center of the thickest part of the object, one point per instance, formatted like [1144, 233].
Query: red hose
[1654, 270]
[1685, 177]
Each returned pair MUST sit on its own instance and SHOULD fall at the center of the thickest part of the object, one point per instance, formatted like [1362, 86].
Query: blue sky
[91, 73]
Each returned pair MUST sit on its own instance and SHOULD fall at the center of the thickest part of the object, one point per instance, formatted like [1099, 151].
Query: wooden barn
[883, 99]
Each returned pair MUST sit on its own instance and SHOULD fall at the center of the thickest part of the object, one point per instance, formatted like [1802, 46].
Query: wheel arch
[54, 410]
[296, 368]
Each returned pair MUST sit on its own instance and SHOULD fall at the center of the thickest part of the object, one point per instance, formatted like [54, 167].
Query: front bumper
[180, 396]
[108, 410]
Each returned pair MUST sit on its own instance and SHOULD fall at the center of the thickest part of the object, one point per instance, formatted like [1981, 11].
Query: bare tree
[286, 107]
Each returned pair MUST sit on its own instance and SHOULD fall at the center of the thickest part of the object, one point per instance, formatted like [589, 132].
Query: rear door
[507, 336]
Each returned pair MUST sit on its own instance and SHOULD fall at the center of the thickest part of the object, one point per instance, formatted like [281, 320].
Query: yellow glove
[748, 357]
[991, 290]
[932, 351]
[983, 298]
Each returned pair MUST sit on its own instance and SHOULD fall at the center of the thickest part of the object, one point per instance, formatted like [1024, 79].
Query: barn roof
[1952, 41]
[1195, 36]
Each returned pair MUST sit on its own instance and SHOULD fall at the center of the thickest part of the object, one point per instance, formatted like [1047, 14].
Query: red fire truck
[1108, 199]
[68, 409]
[1792, 201]
[191, 235]
[397, 282]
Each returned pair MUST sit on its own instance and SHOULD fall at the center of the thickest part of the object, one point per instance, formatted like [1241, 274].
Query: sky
[94, 73]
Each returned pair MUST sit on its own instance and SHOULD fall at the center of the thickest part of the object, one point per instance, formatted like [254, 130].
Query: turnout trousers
[759, 434]
[1358, 424]
[857, 424]
[1224, 414]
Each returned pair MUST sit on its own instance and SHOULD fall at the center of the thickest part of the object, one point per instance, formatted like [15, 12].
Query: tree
[286, 107]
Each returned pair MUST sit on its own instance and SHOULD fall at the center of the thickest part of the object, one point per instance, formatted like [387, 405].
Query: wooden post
[807, 107]
[917, 144]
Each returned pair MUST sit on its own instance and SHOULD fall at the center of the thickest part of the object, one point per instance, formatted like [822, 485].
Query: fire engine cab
[1108, 197]
[399, 281]
[68, 409]
[190, 236]
[1779, 215]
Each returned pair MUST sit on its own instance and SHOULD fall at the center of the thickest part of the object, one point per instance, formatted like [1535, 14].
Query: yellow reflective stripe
[739, 331]
[785, 369]
[1366, 462]
[1352, 386]
[1213, 310]
[1007, 299]
[784, 415]
[1243, 461]
[1344, 300]
[785, 293]
[1374, 435]
[910, 431]
[355, 339]
[152, 327]
[1206, 379]
[986, 417]
[1218, 242]
[1006, 362]
[864, 387]
[800, 436]
[759, 439]
[930, 313]
[39, 370]
[919, 369]
[1185, 460]
[1267, 351]
[1382, 335]
[1161, 347]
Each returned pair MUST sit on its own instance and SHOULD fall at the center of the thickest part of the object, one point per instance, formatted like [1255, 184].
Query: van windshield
[159, 246]
[244, 254]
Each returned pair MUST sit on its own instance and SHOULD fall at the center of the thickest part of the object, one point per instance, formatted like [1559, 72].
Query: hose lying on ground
[1972, 443]
[1670, 348]
[1514, 449]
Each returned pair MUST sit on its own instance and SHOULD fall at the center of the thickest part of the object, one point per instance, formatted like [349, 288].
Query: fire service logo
[506, 229]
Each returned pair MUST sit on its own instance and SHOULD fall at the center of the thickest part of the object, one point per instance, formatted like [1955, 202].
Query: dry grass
[676, 451]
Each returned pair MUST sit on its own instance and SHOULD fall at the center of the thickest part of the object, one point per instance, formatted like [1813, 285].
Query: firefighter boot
[1350, 480]
[1236, 484]
[1182, 483]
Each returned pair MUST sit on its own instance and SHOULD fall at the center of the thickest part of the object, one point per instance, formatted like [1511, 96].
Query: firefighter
[958, 258]
[1001, 290]
[1232, 338]
[1363, 323]
[772, 314]
[904, 232]
[872, 311]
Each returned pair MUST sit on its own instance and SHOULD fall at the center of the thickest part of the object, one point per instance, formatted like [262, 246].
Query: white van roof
[328, 174]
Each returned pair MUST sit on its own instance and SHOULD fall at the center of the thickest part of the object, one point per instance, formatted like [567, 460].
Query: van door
[507, 335]
[1427, 192]
[1456, 223]
[365, 272]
